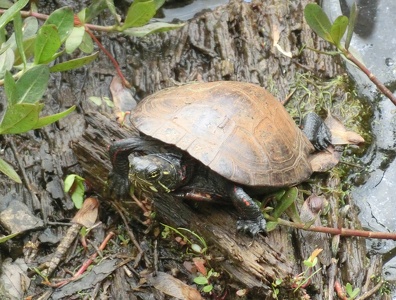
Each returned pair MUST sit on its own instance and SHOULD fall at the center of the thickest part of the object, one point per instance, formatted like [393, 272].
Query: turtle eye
[154, 174]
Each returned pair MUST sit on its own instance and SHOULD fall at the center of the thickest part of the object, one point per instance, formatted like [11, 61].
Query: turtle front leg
[252, 220]
[316, 131]
[119, 151]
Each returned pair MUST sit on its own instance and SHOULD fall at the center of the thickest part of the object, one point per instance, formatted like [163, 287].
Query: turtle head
[156, 172]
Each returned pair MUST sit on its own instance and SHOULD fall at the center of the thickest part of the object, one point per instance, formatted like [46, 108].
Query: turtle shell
[238, 130]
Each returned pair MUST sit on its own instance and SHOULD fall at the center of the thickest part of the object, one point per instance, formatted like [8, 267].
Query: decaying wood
[253, 263]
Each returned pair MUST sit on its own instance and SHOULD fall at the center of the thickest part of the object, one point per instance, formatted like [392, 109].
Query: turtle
[222, 141]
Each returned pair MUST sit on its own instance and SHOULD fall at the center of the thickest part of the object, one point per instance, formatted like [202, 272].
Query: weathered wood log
[254, 263]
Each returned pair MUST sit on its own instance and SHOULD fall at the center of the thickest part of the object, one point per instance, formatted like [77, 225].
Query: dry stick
[131, 236]
[371, 292]
[108, 54]
[338, 231]
[25, 178]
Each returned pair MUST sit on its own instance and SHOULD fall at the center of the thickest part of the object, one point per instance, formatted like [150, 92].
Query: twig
[371, 76]
[25, 178]
[131, 236]
[338, 231]
[371, 292]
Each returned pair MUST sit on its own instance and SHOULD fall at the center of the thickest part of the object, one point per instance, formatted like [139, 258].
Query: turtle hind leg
[316, 131]
[252, 220]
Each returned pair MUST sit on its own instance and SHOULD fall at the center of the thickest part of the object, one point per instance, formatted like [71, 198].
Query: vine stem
[384, 90]
[338, 231]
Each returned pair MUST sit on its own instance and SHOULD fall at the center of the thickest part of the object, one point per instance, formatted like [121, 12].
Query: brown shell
[239, 130]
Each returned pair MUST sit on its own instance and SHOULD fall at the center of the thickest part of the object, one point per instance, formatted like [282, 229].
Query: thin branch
[371, 76]
[338, 231]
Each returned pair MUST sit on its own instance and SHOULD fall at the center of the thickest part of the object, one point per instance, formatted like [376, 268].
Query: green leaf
[318, 21]
[78, 195]
[94, 10]
[270, 226]
[96, 100]
[108, 102]
[69, 181]
[41, 122]
[338, 30]
[351, 24]
[47, 43]
[31, 86]
[81, 15]
[19, 37]
[8, 237]
[20, 117]
[158, 3]
[63, 19]
[74, 63]
[11, 12]
[28, 50]
[30, 28]
[139, 13]
[287, 200]
[87, 45]
[8, 170]
[207, 288]
[77, 183]
[10, 88]
[201, 280]
[6, 61]
[112, 9]
[5, 4]
[151, 28]
[75, 39]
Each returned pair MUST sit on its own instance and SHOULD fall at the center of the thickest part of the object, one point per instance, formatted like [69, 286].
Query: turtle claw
[252, 226]
[323, 139]
[316, 131]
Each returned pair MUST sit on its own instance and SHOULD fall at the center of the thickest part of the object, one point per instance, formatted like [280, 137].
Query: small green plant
[303, 279]
[275, 288]
[204, 281]
[195, 247]
[352, 293]
[74, 185]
